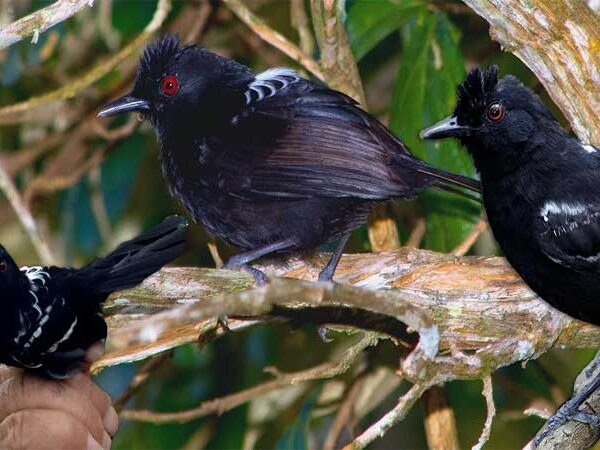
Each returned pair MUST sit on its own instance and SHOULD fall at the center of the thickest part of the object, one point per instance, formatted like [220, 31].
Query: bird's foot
[567, 412]
[223, 323]
[326, 274]
[259, 277]
[324, 334]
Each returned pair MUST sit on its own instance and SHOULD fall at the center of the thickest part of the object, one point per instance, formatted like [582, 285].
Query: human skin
[37, 413]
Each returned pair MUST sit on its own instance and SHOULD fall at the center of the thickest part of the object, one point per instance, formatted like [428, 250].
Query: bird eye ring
[3, 266]
[169, 85]
[495, 112]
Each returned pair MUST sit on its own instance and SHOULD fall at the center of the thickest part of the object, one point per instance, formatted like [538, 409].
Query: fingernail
[106, 441]
[111, 421]
[92, 444]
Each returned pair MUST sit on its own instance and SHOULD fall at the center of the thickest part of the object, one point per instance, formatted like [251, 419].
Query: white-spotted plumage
[66, 336]
[267, 83]
[589, 148]
[561, 208]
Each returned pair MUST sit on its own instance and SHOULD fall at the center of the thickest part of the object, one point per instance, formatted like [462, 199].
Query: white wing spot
[589, 148]
[37, 280]
[64, 338]
[267, 83]
[568, 209]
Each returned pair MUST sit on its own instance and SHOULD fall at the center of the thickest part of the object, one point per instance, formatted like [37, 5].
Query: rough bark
[559, 40]
[487, 318]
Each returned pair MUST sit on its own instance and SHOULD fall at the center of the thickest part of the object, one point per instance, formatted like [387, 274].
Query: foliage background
[411, 55]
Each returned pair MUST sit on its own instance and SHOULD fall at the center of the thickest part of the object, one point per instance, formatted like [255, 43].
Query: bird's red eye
[169, 85]
[495, 112]
[3, 266]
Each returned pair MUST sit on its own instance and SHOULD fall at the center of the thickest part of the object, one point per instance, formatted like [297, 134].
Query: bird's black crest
[472, 93]
[158, 54]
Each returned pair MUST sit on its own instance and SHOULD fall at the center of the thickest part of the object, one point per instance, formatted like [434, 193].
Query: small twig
[204, 12]
[390, 419]
[471, 238]
[140, 379]
[383, 230]
[440, 423]
[72, 88]
[273, 37]
[301, 23]
[488, 393]
[214, 252]
[98, 205]
[417, 234]
[223, 404]
[38, 22]
[345, 413]
[25, 217]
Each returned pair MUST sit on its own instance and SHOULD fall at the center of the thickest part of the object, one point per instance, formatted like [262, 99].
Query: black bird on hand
[50, 316]
[272, 163]
[541, 191]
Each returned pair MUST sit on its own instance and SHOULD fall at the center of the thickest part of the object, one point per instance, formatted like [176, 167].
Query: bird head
[10, 274]
[182, 85]
[494, 119]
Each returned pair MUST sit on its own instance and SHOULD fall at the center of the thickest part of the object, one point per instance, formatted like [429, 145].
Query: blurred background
[91, 183]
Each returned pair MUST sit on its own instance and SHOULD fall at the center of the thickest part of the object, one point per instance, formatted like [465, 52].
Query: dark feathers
[50, 315]
[540, 190]
[473, 94]
[273, 163]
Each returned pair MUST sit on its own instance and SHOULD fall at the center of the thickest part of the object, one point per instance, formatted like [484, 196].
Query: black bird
[50, 316]
[541, 191]
[272, 163]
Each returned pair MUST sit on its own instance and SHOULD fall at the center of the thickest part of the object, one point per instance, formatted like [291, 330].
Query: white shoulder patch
[566, 209]
[589, 148]
[37, 281]
[267, 83]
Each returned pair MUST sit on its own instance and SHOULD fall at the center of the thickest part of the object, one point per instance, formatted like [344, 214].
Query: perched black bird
[541, 191]
[272, 163]
[50, 316]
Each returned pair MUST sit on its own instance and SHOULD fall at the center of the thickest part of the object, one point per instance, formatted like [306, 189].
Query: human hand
[37, 413]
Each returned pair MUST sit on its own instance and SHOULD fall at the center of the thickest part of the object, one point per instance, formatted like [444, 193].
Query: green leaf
[370, 21]
[425, 92]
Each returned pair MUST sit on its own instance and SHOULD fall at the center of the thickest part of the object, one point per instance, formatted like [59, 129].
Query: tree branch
[36, 23]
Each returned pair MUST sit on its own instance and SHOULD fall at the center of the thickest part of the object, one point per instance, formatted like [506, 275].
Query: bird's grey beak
[124, 104]
[448, 127]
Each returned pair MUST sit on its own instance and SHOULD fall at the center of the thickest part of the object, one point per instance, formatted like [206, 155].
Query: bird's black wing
[46, 321]
[297, 139]
[569, 228]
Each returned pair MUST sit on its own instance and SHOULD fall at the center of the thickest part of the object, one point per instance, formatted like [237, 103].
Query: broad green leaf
[425, 92]
[370, 21]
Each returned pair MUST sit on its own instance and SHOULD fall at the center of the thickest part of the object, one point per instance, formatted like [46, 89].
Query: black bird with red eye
[50, 316]
[273, 163]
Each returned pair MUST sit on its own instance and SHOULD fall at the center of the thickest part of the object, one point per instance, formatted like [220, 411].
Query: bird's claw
[223, 322]
[324, 334]
[568, 411]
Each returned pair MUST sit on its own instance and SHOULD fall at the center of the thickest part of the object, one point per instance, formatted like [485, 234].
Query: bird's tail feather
[135, 260]
[450, 182]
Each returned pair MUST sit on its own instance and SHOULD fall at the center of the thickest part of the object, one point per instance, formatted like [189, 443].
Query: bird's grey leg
[242, 260]
[329, 270]
[570, 410]
[327, 275]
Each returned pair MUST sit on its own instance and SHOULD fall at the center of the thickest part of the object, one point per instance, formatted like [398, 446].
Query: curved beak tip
[445, 128]
[127, 103]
